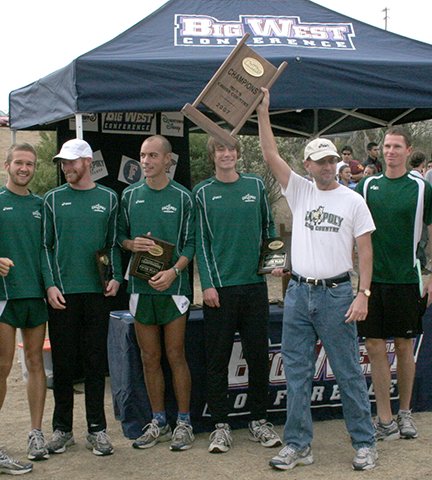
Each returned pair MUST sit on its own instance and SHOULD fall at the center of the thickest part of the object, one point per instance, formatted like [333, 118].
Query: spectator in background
[417, 162]
[373, 151]
[370, 170]
[344, 177]
[355, 166]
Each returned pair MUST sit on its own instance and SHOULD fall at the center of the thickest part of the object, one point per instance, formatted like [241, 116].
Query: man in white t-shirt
[327, 220]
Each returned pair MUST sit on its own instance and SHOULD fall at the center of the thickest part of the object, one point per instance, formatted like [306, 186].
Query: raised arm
[277, 165]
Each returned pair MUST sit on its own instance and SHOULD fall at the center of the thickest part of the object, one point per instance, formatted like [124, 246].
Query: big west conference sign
[207, 31]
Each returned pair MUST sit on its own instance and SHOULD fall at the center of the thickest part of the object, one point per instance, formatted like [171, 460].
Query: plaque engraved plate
[145, 265]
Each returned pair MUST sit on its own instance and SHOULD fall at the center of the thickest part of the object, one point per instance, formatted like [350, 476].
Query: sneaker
[289, 458]
[59, 441]
[182, 437]
[263, 432]
[37, 447]
[407, 427]
[13, 467]
[152, 435]
[386, 432]
[99, 443]
[220, 439]
[365, 458]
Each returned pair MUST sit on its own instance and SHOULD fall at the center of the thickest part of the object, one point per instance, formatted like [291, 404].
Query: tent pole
[79, 125]
[13, 137]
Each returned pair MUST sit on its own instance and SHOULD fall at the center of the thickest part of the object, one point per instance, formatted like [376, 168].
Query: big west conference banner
[325, 390]
[204, 30]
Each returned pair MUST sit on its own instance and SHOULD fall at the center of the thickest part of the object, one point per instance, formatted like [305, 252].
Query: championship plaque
[146, 264]
[234, 92]
[275, 253]
[104, 266]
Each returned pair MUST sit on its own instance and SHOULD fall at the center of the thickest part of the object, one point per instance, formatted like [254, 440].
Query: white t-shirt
[325, 224]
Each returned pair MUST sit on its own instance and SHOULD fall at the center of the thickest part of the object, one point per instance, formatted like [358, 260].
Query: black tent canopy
[342, 74]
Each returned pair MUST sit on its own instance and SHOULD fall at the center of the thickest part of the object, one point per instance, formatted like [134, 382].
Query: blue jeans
[317, 311]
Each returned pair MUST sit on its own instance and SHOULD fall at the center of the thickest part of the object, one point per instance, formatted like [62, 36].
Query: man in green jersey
[79, 219]
[22, 294]
[162, 208]
[399, 202]
[233, 219]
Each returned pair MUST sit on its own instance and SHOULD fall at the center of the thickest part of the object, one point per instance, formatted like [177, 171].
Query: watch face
[366, 292]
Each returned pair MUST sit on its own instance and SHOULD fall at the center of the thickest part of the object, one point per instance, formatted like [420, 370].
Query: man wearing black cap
[327, 220]
[79, 219]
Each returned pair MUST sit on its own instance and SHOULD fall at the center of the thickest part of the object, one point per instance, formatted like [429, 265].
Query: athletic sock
[160, 417]
[184, 417]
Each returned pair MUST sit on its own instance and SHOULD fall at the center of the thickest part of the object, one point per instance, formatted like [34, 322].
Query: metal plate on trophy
[146, 264]
[275, 253]
[104, 266]
[234, 92]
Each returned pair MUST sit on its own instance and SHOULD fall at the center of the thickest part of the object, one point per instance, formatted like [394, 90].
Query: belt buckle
[312, 281]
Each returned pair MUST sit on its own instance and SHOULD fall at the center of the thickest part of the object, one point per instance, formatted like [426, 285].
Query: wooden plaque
[146, 264]
[275, 253]
[234, 92]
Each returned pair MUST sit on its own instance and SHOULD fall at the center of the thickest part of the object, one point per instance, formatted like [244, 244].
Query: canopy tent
[342, 74]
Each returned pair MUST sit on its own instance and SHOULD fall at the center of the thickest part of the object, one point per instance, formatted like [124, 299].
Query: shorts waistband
[328, 282]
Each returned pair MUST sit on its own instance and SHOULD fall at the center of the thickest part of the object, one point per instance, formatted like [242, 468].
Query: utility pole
[386, 17]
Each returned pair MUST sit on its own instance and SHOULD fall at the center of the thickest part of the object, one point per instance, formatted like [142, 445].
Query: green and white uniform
[22, 303]
[232, 221]
[399, 206]
[77, 223]
[167, 214]
[20, 240]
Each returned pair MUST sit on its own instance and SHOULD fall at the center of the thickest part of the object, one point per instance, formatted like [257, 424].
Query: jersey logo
[216, 197]
[169, 209]
[98, 208]
[249, 198]
[139, 201]
[66, 204]
[37, 214]
[320, 220]
[7, 208]
[374, 187]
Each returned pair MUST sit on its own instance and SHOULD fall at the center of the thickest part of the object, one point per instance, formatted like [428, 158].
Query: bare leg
[381, 377]
[7, 351]
[148, 337]
[33, 340]
[405, 370]
[174, 345]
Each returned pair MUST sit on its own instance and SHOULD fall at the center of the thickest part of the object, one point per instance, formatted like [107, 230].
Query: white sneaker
[220, 439]
[365, 458]
[289, 458]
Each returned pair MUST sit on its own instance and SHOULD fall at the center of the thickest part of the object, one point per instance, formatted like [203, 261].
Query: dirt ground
[401, 459]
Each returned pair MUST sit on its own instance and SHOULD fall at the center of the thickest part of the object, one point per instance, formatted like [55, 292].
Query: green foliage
[46, 171]
[199, 164]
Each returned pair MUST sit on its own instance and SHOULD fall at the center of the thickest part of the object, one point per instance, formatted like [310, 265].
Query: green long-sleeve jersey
[232, 221]
[168, 214]
[77, 223]
[21, 241]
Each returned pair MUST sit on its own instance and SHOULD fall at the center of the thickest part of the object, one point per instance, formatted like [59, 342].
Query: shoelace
[102, 438]
[151, 429]
[37, 439]
[181, 431]
[287, 451]
[266, 430]
[220, 435]
[7, 458]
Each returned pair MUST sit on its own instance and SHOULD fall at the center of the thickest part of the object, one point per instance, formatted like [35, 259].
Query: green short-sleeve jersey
[20, 240]
[232, 221]
[77, 223]
[168, 214]
[399, 207]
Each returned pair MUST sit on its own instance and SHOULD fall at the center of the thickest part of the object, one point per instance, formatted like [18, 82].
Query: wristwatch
[365, 291]
[177, 271]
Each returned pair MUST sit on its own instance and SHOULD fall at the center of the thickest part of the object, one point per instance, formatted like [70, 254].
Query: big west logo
[204, 30]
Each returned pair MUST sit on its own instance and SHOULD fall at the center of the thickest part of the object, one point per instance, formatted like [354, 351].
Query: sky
[39, 37]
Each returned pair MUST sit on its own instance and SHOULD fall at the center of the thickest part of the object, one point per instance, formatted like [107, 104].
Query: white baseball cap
[320, 148]
[73, 150]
